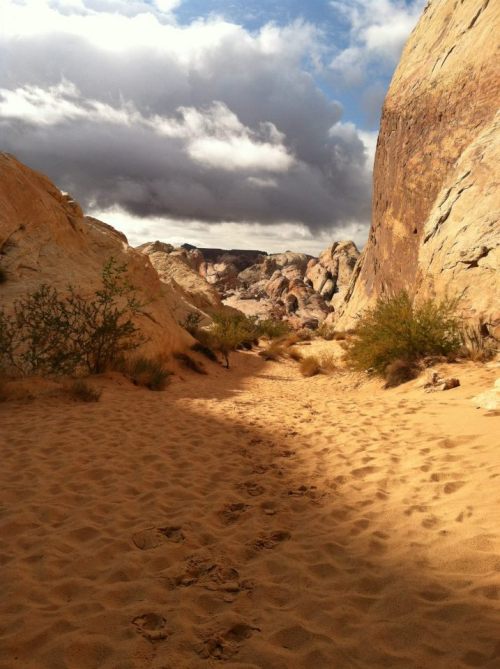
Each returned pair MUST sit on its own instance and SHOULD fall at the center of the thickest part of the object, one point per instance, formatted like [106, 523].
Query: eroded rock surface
[436, 202]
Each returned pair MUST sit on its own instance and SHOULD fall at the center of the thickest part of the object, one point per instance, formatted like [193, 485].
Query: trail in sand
[251, 519]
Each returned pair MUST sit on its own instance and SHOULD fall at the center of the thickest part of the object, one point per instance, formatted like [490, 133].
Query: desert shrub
[198, 347]
[192, 323]
[57, 334]
[146, 372]
[81, 391]
[397, 329]
[190, 363]
[272, 328]
[475, 345]
[3, 275]
[400, 371]
[295, 354]
[230, 331]
[310, 366]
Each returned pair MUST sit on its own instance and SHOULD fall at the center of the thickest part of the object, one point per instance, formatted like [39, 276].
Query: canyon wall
[436, 199]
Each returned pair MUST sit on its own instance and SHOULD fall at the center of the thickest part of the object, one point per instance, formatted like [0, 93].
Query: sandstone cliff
[45, 238]
[436, 201]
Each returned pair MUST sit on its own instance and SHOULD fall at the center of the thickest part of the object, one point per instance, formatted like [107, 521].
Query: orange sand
[251, 519]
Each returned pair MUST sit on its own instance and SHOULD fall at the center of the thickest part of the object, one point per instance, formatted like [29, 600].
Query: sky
[223, 123]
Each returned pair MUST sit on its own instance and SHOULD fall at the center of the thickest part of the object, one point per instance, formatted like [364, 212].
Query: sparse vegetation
[190, 363]
[475, 345]
[230, 331]
[82, 391]
[326, 331]
[50, 333]
[146, 372]
[397, 329]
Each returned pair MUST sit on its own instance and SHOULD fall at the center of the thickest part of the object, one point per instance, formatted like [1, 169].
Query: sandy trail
[251, 519]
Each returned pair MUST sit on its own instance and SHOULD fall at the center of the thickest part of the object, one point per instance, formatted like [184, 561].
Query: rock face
[45, 238]
[435, 215]
[176, 270]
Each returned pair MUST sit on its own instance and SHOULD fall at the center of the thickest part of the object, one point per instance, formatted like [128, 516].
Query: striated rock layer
[435, 215]
[45, 238]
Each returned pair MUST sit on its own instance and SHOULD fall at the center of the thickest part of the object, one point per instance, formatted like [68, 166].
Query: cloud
[206, 122]
[378, 31]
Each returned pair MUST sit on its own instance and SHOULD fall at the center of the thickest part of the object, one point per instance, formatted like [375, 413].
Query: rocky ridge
[436, 204]
[45, 238]
[292, 286]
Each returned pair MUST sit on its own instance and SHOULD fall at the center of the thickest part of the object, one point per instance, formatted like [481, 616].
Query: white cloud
[378, 32]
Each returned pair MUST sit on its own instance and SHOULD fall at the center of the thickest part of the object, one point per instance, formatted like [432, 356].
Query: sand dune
[251, 519]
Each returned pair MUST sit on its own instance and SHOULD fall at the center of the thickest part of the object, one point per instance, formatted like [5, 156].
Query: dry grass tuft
[310, 366]
[81, 391]
[145, 372]
[274, 352]
[400, 371]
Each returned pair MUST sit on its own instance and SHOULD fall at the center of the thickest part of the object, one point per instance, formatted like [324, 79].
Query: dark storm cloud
[105, 124]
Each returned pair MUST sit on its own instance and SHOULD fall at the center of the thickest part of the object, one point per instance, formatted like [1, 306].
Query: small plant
[3, 275]
[190, 363]
[397, 329]
[198, 347]
[231, 331]
[310, 366]
[192, 323]
[400, 371]
[475, 346]
[59, 334]
[81, 391]
[146, 372]
[327, 363]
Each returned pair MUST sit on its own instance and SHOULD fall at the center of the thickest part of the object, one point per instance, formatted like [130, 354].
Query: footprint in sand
[231, 513]
[361, 472]
[453, 486]
[270, 541]
[151, 626]
[211, 574]
[223, 645]
[251, 488]
[155, 536]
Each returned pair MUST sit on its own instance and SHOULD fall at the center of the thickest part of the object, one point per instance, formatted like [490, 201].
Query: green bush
[55, 334]
[231, 331]
[397, 329]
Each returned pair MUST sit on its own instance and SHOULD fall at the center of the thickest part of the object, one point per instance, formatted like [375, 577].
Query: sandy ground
[252, 519]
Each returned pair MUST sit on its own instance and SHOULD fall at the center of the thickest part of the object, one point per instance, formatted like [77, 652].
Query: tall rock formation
[436, 200]
[45, 238]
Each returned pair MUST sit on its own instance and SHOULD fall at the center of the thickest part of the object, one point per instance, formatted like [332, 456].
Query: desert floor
[252, 519]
